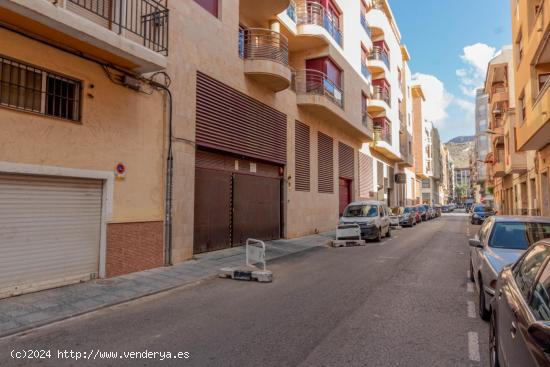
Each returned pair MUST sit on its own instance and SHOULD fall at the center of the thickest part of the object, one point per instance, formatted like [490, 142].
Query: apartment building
[480, 180]
[82, 149]
[531, 66]
[508, 166]
[241, 119]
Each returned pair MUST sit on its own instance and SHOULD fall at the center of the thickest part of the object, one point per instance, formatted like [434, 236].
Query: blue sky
[450, 42]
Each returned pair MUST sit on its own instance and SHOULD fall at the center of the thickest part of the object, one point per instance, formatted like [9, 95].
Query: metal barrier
[255, 253]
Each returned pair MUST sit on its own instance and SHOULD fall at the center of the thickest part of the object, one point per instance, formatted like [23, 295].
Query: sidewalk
[36, 309]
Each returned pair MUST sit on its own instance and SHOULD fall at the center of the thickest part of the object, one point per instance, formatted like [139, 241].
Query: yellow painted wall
[117, 125]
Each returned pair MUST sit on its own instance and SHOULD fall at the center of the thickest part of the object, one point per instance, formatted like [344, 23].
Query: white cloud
[476, 57]
[439, 101]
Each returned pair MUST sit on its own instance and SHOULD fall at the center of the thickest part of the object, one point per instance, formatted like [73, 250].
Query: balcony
[404, 138]
[366, 73]
[383, 138]
[365, 24]
[379, 61]
[380, 101]
[265, 55]
[262, 11]
[534, 134]
[368, 123]
[131, 34]
[499, 93]
[313, 21]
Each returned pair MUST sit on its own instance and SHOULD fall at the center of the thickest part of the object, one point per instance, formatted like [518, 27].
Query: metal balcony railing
[378, 53]
[367, 121]
[146, 19]
[365, 71]
[263, 44]
[365, 24]
[310, 12]
[382, 132]
[382, 94]
[317, 83]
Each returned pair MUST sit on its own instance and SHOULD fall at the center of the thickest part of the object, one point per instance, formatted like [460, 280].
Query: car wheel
[471, 272]
[379, 235]
[493, 342]
[483, 313]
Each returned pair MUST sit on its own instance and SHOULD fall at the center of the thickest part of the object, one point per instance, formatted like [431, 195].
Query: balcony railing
[382, 94]
[315, 82]
[365, 71]
[367, 121]
[291, 11]
[310, 12]
[263, 44]
[365, 24]
[378, 53]
[382, 132]
[145, 19]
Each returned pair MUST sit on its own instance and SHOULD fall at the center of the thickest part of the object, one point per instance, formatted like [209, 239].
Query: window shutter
[346, 161]
[326, 163]
[302, 153]
[365, 175]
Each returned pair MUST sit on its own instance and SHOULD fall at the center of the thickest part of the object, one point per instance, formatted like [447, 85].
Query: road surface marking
[471, 310]
[470, 287]
[473, 347]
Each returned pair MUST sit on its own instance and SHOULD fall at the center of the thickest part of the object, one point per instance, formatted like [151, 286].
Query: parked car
[423, 212]
[519, 328]
[501, 241]
[438, 210]
[446, 209]
[416, 213]
[395, 214]
[430, 212]
[480, 212]
[408, 217]
[372, 217]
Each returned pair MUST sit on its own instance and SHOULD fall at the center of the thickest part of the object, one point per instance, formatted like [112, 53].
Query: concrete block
[262, 276]
[348, 243]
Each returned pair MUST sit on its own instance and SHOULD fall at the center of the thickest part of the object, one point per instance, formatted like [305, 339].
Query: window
[27, 88]
[211, 6]
[302, 152]
[540, 301]
[526, 270]
[519, 46]
[426, 184]
[518, 236]
[544, 79]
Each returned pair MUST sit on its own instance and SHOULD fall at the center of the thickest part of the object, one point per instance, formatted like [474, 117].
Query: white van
[371, 216]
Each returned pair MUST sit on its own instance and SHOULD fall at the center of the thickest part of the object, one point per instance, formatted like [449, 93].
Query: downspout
[169, 185]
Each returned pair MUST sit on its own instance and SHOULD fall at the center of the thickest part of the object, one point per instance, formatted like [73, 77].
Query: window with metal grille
[27, 88]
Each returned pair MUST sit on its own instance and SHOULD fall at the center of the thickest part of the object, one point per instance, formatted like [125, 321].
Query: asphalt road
[404, 302]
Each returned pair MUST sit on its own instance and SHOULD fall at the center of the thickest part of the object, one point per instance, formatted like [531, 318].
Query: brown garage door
[257, 211]
[212, 210]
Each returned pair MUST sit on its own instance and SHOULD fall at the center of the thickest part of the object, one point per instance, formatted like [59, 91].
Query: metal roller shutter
[326, 163]
[346, 161]
[302, 150]
[365, 175]
[233, 122]
[50, 230]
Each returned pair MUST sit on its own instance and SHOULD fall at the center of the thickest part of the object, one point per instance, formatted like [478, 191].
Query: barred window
[27, 88]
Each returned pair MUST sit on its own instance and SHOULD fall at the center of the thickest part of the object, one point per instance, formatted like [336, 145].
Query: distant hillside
[461, 139]
[460, 152]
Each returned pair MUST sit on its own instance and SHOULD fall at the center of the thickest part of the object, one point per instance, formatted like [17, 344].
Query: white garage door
[49, 231]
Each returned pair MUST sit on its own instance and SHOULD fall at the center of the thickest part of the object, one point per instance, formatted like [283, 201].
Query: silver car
[501, 241]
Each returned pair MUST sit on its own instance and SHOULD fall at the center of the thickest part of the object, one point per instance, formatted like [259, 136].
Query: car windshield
[396, 211]
[407, 210]
[361, 211]
[518, 236]
[421, 209]
[482, 209]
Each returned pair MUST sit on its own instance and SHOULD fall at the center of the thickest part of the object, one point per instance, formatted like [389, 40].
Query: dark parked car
[481, 212]
[501, 241]
[416, 212]
[423, 212]
[519, 333]
[446, 209]
[408, 217]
